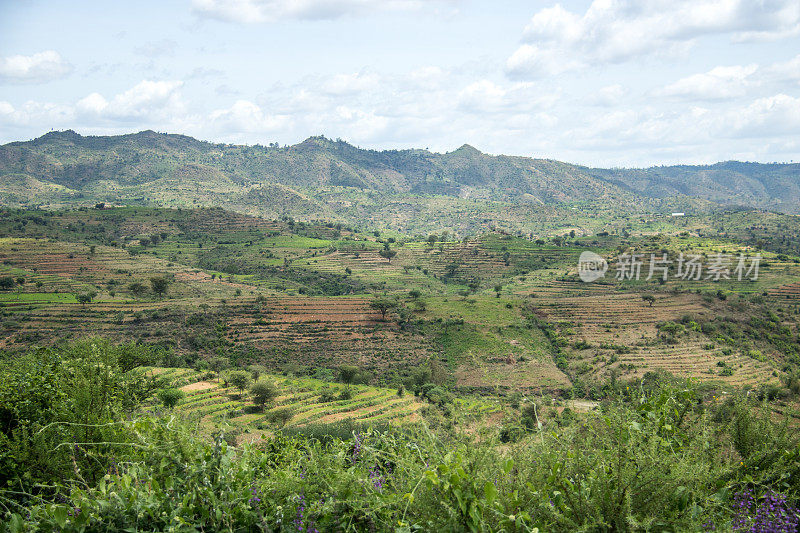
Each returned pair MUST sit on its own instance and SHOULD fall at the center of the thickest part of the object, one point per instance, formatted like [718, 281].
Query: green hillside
[409, 191]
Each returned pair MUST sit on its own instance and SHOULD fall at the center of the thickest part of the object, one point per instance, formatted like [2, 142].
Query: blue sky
[606, 83]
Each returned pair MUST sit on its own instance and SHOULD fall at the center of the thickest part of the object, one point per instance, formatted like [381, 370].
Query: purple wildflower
[768, 514]
[254, 494]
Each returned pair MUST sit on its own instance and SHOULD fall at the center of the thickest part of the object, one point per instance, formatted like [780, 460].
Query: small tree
[348, 373]
[159, 285]
[263, 392]
[383, 305]
[256, 371]
[280, 416]
[6, 282]
[649, 298]
[387, 254]
[136, 288]
[240, 380]
[170, 397]
[86, 297]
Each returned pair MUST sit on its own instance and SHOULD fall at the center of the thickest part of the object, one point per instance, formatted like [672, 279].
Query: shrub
[264, 392]
[170, 397]
[280, 416]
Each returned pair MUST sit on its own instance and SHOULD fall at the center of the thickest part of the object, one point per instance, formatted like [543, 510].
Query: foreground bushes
[659, 458]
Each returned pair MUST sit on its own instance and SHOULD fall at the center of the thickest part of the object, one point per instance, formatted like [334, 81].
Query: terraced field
[298, 297]
[620, 330]
[212, 405]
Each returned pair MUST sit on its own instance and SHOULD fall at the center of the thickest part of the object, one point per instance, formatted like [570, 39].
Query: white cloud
[718, 83]
[245, 116]
[772, 116]
[531, 61]
[786, 71]
[256, 11]
[556, 40]
[36, 114]
[481, 95]
[146, 100]
[37, 68]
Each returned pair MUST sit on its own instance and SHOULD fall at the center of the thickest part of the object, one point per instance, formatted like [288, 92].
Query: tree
[6, 282]
[387, 254]
[383, 305]
[348, 373]
[137, 288]
[240, 380]
[497, 289]
[256, 371]
[649, 298]
[264, 392]
[170, 397]
[86, 297]
[159, 285]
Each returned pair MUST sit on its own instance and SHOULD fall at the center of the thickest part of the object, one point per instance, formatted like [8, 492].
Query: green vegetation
[268, 375]
[407, 191]
[659, 452]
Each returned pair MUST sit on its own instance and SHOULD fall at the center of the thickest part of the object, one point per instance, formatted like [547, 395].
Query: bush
[170, 397]
[264, 392]
[280, 416]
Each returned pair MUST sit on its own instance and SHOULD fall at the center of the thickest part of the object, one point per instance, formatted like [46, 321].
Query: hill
[404, 190]
[493, 313]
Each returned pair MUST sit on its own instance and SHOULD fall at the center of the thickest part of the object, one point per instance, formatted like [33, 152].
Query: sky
[602, 83]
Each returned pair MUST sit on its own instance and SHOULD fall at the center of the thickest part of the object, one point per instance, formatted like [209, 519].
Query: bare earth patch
[200, 385]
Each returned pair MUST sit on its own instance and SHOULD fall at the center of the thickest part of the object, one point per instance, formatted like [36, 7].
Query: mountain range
[406, 190]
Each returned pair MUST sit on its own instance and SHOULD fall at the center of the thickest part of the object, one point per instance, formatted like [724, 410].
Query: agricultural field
[496, 312]
[176, 338]
[213, 403]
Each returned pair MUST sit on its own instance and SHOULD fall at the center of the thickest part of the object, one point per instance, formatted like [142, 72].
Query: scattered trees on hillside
[348, 373]
[256, 371]
[387, 254]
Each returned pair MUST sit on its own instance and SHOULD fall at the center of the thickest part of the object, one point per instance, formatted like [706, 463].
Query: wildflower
[254, 494]
[773, 514]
